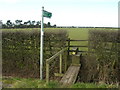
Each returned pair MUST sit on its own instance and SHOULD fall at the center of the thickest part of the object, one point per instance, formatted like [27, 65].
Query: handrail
[51, 59]
[56, 55]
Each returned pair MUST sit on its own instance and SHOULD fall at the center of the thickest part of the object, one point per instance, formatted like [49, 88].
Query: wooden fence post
[68, 46]
[66, 59]
[47, 72]
[67, 55]
[60, 64]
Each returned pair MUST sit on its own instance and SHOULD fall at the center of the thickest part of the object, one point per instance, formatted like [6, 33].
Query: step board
[71, 75]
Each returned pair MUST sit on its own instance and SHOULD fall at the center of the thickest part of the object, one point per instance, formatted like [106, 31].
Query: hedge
[21, 51]
[105, 47]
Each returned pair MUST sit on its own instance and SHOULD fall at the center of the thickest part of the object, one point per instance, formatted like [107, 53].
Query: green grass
[92, 85]
[36, 83]
[27, 83]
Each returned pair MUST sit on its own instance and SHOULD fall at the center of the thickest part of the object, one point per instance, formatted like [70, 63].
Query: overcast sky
[98, 13]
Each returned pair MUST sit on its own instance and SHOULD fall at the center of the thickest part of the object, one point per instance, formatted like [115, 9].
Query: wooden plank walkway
[71, 75]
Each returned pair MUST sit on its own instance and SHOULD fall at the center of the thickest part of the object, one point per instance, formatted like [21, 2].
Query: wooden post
[67, 55]
[65, 58]
[47, 72]
[89, 46]
[68, 46]
[60, 64]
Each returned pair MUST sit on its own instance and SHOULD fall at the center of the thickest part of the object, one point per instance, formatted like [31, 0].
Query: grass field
[36, 83]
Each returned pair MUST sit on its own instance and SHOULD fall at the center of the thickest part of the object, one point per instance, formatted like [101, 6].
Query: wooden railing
[51, 59]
